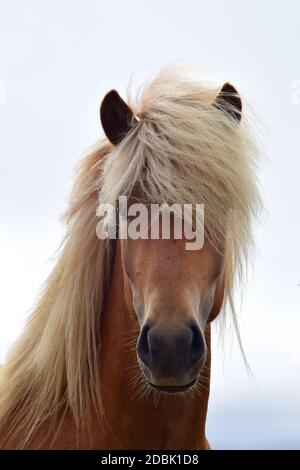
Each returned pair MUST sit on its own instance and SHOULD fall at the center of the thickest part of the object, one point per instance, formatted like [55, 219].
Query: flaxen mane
[183, 149]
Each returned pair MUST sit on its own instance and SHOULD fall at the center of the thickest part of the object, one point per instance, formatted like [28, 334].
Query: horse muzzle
[171, 358]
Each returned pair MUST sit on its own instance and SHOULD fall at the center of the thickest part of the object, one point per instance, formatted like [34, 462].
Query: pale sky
[57, 60]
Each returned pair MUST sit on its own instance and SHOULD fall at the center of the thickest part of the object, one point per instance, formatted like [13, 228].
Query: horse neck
[134, 419]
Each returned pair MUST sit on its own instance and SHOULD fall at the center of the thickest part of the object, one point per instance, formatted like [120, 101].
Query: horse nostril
[197, 345]
[143, 348]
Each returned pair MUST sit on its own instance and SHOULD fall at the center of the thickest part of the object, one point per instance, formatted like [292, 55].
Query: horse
[116, 352]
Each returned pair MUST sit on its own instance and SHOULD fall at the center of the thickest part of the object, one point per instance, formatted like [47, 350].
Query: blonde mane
[183, 150]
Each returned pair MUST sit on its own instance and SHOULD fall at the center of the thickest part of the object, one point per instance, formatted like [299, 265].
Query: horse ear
[229, 101]
[116, 117]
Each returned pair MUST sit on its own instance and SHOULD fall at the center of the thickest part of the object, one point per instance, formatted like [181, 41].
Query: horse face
[174, 293]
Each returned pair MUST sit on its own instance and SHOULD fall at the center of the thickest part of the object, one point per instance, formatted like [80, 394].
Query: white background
[57, 60]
